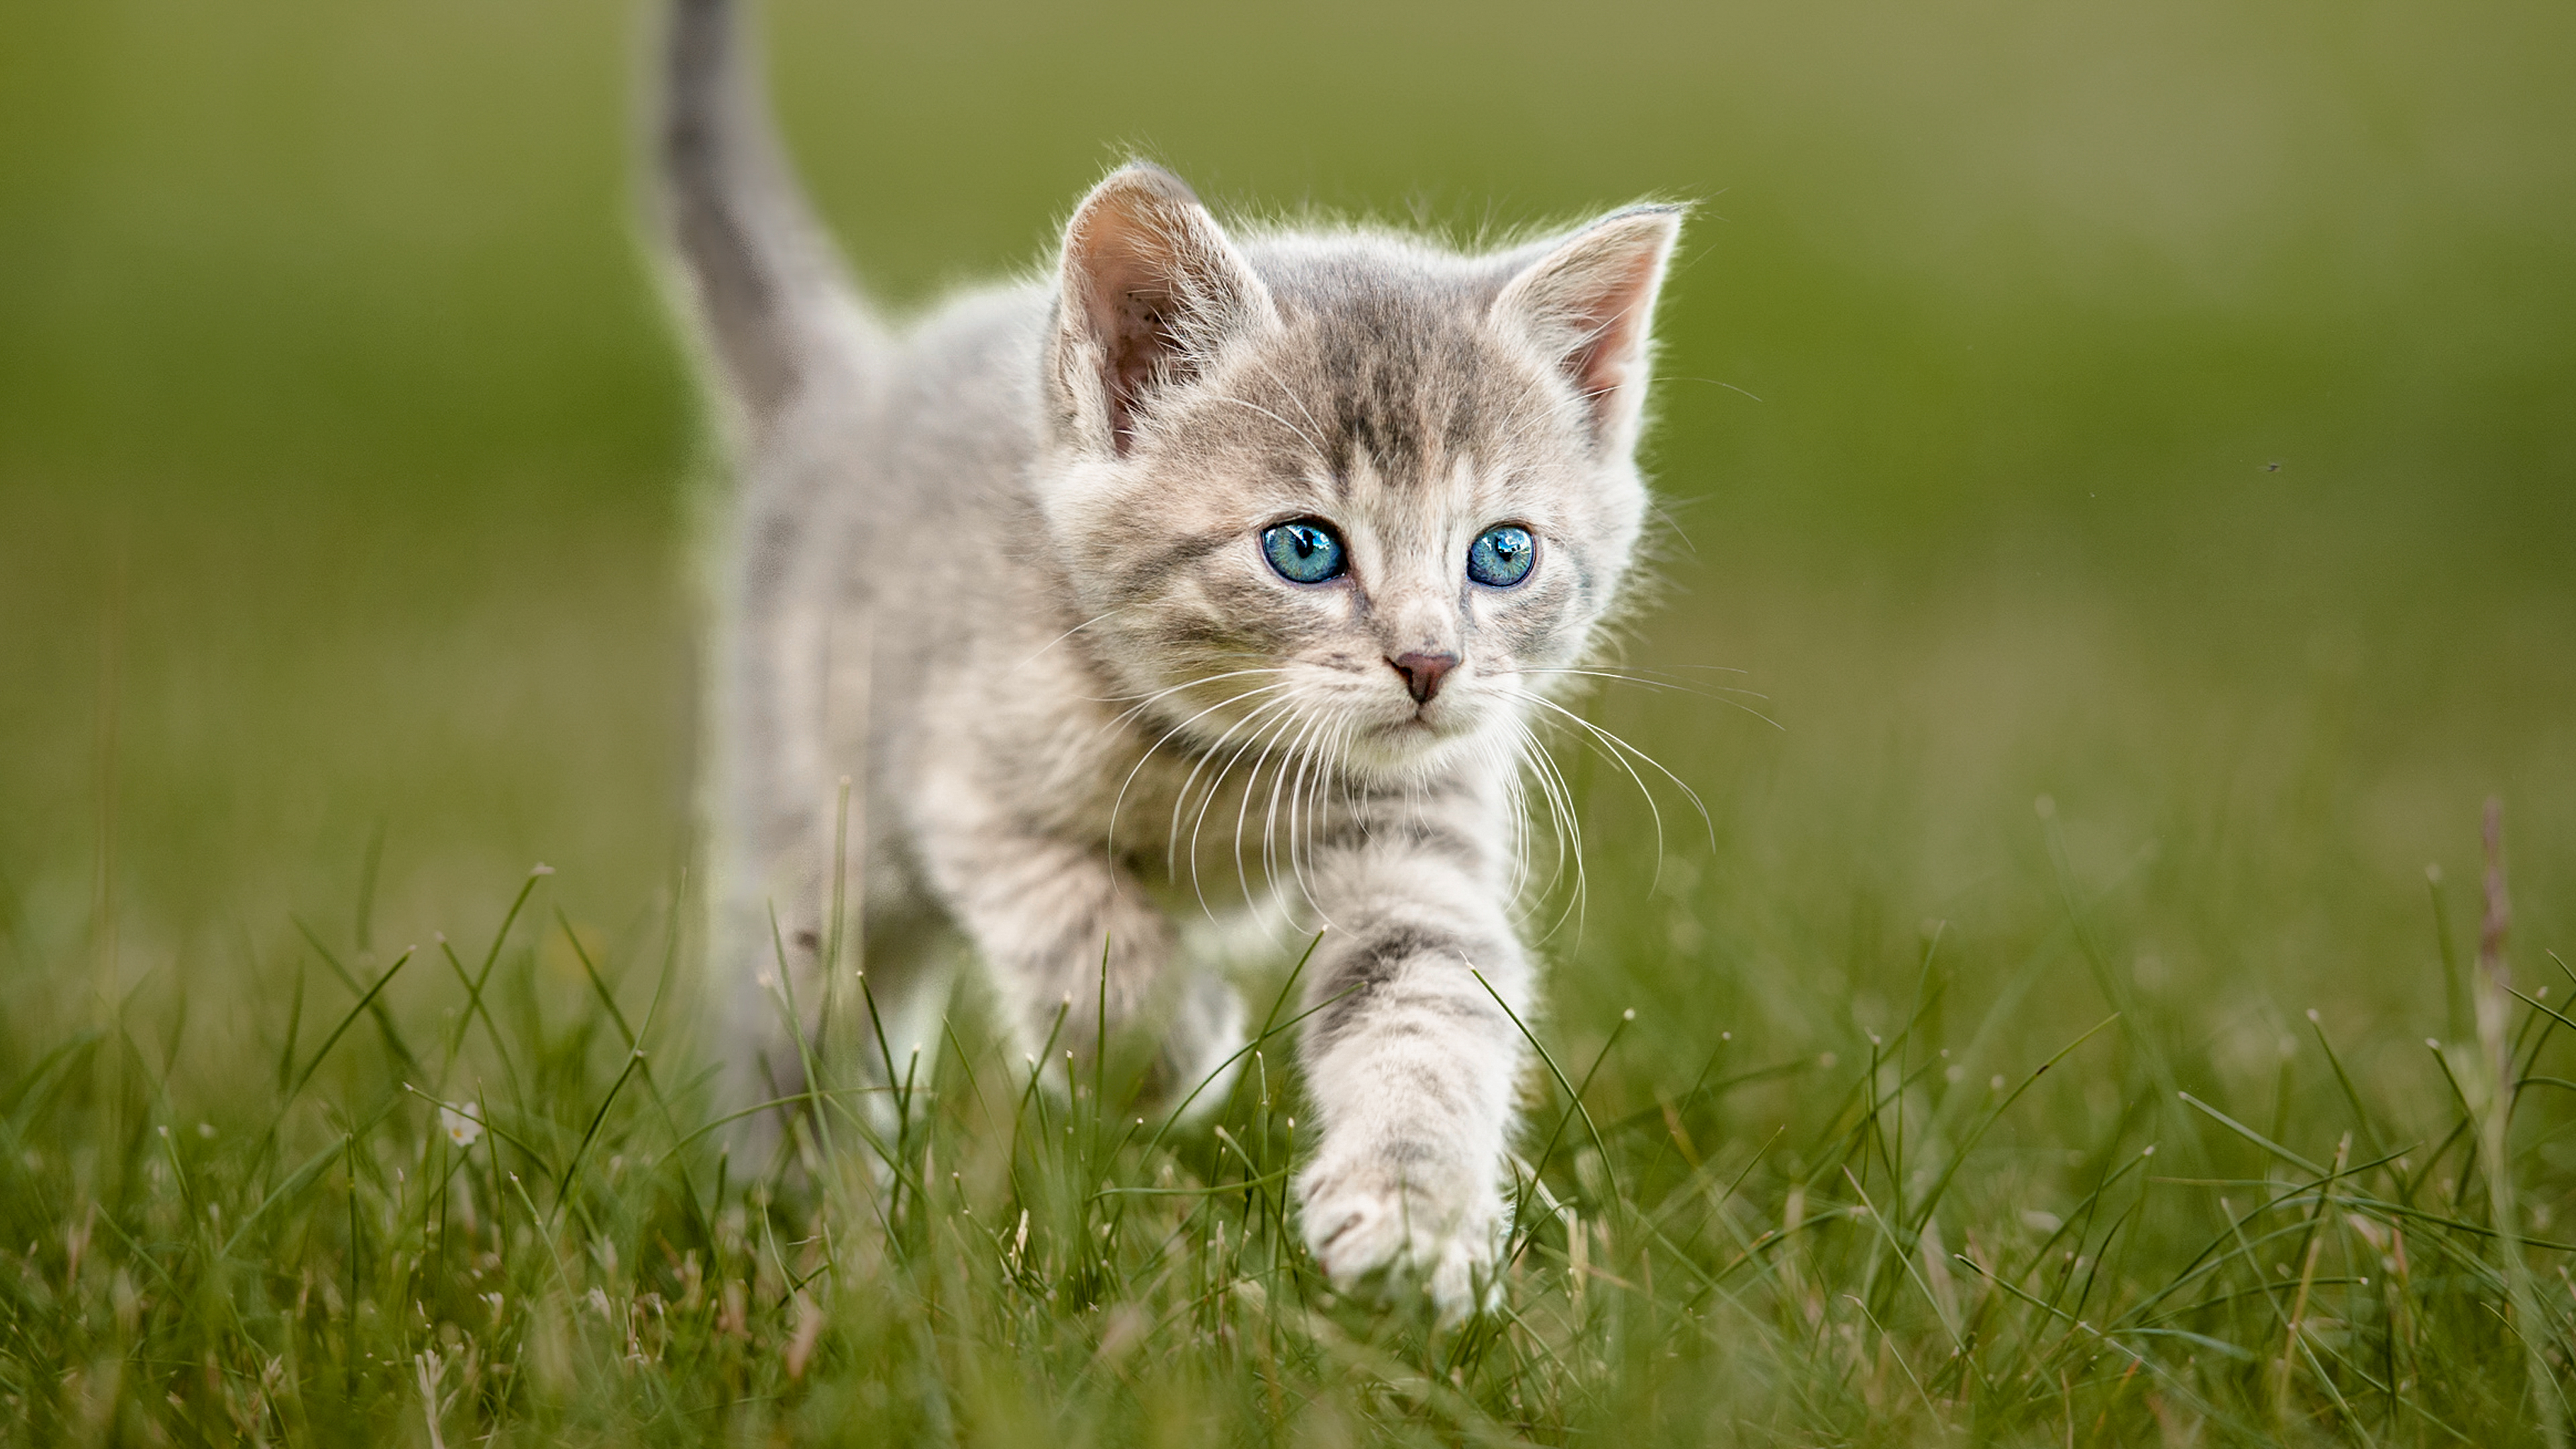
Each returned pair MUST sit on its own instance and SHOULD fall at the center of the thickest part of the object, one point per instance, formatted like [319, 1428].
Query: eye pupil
[1303, 551]
[1501, 557]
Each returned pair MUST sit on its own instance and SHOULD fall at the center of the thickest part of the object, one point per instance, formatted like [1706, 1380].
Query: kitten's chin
[1412, 748]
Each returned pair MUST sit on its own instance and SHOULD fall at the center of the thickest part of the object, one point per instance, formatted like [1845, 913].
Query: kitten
[1284, 535]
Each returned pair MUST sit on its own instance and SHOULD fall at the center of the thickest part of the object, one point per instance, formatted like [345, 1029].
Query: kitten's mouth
[1423, 740]
[1430, 723]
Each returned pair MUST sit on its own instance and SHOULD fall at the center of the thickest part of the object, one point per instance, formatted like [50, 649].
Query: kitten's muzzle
[1423, 673]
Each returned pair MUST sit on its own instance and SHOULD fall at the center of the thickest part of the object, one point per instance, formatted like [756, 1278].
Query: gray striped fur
[1001, 566]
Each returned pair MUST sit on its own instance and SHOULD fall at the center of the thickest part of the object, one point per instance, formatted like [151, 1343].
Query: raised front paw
[1398, 1218]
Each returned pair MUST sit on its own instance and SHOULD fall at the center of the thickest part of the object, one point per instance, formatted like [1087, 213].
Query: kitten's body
[1007, 566]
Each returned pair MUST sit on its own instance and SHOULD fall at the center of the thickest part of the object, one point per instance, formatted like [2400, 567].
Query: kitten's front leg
[1065, 934]
[1069, 937]
[1410, 1060]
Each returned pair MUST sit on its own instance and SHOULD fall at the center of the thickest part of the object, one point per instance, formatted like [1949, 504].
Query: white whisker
[1619, 752]
[1067, 634]
[1306, 726]
[1119, 802]
[1310, 762]
[1565, 825]
[1326, 775]
[1715, 693]
[1270, 735]
[1140, 701]
[1287, 704]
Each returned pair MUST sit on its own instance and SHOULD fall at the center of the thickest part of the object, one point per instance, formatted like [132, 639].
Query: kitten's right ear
[1149, 288]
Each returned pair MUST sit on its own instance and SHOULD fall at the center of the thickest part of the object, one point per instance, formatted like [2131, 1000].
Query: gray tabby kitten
[1283, 536]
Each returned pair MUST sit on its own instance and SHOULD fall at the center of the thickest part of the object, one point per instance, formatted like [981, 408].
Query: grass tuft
[1917, 1249]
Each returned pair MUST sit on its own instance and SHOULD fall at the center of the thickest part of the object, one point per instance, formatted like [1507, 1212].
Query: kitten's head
[1342, 494]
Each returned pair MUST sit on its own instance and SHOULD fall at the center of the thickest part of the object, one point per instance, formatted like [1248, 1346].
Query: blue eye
[1501, 557]
[1304, 550]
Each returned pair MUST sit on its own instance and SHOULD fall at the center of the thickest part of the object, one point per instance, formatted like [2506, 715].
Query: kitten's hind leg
[1202, 1050]
[854, 1045]
[764, 951]
[892, 1021]
[1206, 1027]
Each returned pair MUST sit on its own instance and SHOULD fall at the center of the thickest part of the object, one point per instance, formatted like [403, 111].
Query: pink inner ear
[1133, 311]
[1591, 301]
[1613, 327]
[1144, 259]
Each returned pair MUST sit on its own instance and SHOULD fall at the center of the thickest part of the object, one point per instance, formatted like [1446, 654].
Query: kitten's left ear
[1149, 289]
[1588, 302]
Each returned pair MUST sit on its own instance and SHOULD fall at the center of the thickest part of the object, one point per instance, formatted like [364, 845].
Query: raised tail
[773, 300]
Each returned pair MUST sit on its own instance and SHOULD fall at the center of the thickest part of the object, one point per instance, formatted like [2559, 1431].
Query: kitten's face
[1350, 498]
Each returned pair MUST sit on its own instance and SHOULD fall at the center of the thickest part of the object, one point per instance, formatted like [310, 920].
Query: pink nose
[1423, 673]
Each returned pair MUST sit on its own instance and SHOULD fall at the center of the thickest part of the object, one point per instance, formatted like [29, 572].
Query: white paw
[1383, 1227]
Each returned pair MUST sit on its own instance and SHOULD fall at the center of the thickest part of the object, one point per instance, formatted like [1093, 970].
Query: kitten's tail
[771, 296]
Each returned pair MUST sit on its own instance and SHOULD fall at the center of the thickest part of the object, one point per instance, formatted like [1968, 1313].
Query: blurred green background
[2162, 409]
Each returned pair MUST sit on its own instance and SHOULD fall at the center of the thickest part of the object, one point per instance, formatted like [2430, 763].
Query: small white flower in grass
[460, 1124]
